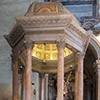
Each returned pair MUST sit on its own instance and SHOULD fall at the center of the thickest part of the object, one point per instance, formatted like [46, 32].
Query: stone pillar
[41, 87]
[98, 69]
[23, 85]
[46, 77]
[80, 76]
[60, 69]
[28, 70]
[15, 83]
[76, 84]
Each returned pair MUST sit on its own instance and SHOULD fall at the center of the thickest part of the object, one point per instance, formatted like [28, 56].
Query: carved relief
[88, 25]
[46, 21]
[45, 7]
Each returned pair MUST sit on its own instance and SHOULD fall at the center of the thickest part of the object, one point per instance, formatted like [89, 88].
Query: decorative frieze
[44, 21]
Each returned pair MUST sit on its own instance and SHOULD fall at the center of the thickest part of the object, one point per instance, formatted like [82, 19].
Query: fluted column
[41, 87]
[15, 91]
[28, 70]
[60, 69]
[23, 84]
[98, 69]
[80, 58]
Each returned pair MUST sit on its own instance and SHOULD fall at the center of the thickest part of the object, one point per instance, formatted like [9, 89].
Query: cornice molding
[78, 31]
[46, 21]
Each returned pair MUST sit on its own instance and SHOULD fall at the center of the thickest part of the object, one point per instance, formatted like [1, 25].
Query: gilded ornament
[48, 51]
[45, 8]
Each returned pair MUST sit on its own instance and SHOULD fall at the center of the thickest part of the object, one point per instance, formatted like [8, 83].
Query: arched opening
[90, 75]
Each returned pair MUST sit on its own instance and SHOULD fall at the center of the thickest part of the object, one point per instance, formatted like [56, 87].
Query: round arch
[95, 46]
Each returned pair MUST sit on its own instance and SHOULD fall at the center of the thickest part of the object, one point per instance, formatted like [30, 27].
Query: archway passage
[90, 75]
[48, 23]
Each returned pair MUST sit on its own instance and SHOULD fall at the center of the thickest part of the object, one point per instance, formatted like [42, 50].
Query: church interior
[50, 49]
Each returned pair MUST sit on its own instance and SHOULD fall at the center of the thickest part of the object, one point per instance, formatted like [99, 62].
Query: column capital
[28, 44]
[79, 55]
[15, 56]
[61, 43]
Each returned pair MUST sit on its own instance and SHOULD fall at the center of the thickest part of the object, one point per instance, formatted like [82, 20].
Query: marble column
[98, 69]
[15, 83]
[60, 70]
[80, 58]
[46, 77]
[76, 84]
[41, 87]
[23, 85]
[28, 70]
